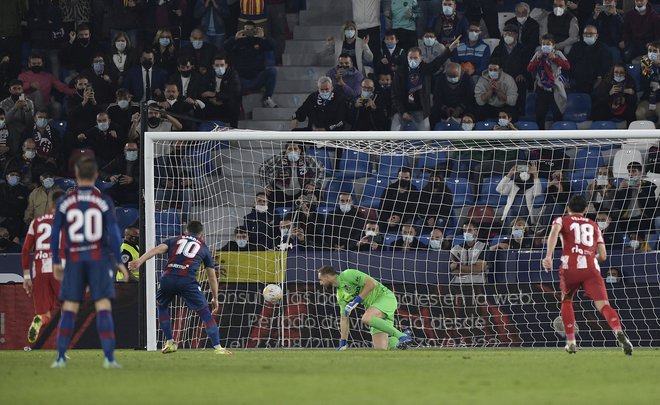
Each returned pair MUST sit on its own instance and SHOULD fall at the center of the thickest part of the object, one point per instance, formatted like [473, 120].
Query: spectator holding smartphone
[615, 96]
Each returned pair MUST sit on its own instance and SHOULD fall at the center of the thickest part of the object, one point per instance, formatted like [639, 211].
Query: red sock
[45, 319]
[612, 318]
[568, 318]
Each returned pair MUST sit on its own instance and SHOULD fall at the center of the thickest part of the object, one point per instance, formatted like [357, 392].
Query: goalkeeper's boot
[571, 347]
[221, 350]
[625, 343]
[58, 363]
[169, 347]
[405, 341]
[110, 364]
[35, 327]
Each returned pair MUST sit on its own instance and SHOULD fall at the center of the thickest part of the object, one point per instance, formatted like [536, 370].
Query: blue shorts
[98, 275]
[184, 287]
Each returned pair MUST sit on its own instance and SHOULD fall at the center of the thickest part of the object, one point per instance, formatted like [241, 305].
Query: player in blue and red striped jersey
[582, 248]
[186, 254]
[92, 244]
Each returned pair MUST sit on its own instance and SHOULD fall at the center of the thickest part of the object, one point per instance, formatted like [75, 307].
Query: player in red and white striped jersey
[38, 278]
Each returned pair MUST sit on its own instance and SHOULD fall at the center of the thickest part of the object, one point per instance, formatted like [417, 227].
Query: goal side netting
[454, 223]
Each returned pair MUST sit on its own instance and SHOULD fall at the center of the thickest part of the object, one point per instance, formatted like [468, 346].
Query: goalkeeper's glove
[351, 305]
[343, 344]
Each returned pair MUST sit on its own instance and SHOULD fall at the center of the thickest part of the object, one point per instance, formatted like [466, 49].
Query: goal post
[214, 177]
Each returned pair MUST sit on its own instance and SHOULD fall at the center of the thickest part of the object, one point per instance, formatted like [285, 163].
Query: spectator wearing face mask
[556, 198]
[188, 80]
[81, 108]
[615, 97]
[324, 110]
[368, 111]
[453, 95]
[641, 26]
[639, 195]
[310, 220]
[175, 103]
[165, 51]
[467, 122]
[602, 194]
[437, 241]
[650, 84]
[156, 122]
[399, 203]
[79, 50]
[102, 80]
[518, 239]
[504, 122]
[39, 198]
[7, 245]
[403, 19]
[528, 28]
[29, 166]
[436, 201]
[636, 242]
[472, 53]
[613, 276]
[345, 78]
[145, 81]
[223, 92]
[590, 61]
[495, 91]
[609, 24]
[124, 172]
[13, 202]
[241, 242]
[430, 46]
[562, 25]
[393, 55]
[608, 229]
[38, 85]
[408, 240]
[105, 139]
[130, 251]
[260, 223]
[48, 141]
[514, 57]
[384, 91]
[19, 112]
[290, 174]
[448, 25]
[291, 236]
[371, 240]
[344, 225]
[122, 109]
[5, 141]
[521, 186]
[122, 56]
[356, 48]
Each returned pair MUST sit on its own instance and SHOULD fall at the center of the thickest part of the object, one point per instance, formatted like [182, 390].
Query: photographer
[368, 113]
[155, 123]
[521, 185]
[345, 77]
[81, 109]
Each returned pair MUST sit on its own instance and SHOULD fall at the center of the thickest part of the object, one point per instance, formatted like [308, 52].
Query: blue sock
[64, 333]
[106, 329]
[165, 323]
[212, 330]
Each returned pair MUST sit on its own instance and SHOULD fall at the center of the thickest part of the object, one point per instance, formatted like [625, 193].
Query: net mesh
[355, 204]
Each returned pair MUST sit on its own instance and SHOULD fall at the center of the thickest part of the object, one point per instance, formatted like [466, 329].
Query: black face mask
[185, 73]
[404, 183]
[147, 64]
[154, 121]
[83, 41]
[4, 242]
[36, 69]
[133, 240]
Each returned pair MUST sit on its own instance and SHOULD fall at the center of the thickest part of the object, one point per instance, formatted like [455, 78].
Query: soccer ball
[272, 293]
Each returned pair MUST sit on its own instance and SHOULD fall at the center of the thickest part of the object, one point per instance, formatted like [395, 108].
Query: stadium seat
[389, 165]
[462, 191]
[324, 157]
[432, 160]
[389, 239]
[60, 127]
[168, 224]
[579, 186]
[587, 161]
[564, 125]
[635, 70]
[502, 18]
[485, 125]
[481, 214]
[126, 217]
[621, 160]
[530, 107]
[642, 124]
[527, 126]
[488, 194]
[578, 107]
[373, 191]
[540, 199]
[333, 189]
[209, 126]
[65, 184]
[419, 182]
[655, 179]
[282, 211]
[447, 126]
[353, 165]
[104, 185]
[499, 238]
[603, 125]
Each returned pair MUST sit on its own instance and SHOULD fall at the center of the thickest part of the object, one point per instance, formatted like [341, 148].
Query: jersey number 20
[85, 226]
[188, 248]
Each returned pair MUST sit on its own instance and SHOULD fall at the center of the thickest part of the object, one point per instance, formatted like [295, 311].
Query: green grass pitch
[451, 376]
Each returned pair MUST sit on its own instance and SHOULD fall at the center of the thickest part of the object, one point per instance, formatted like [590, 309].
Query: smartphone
[21, 97]
[600, 7]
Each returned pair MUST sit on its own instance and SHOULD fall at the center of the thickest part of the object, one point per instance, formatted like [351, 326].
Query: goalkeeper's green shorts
[387, 304]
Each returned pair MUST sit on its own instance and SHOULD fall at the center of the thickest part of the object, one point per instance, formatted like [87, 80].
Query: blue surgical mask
[453, 80]
[493, 74]
[293, 156]
[517, 233]
[241, 243]
[103, 126]
[220, 71]
[197, 44]
[325, 95]
[42, 122]
[435, 243]
[447, 10]
[413, 63]
[164, 41]
[473, 36]
[546, 48]
[123, 104]
[349, 34]
[366, 94]
[131, 155]
[48, 183]
[390, 45]
[98, 68]
[13, 180]
[589, 40]
[468, 237]
[653, 56]
[429, 41]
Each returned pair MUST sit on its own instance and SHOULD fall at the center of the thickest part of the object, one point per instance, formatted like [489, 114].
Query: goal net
[454, 223]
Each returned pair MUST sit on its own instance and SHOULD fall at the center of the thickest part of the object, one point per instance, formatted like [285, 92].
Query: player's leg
[72, 293]
[595, 288]
[196, 301]
[568, 319]
[102, 288]
[164, 297]
[42, 303]
[380, 340]
[380, 315]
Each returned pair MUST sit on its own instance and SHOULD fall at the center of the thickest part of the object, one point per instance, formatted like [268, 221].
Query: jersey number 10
[583, 234]
[188, 248]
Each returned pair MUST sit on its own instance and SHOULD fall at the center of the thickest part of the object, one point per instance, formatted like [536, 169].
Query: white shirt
[120, 61]
[185, 81]
[218, 83]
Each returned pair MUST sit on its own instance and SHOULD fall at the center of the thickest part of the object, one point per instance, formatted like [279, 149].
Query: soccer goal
[402, 207]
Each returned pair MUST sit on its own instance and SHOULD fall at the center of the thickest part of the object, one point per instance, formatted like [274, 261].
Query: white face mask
[453, 80]
[634, 244]
[589, 40]
[521, 20]
[602, 225]
[619, 78]
[120, 45]
[559, 11]
[601, 180]
[429, 41]
[131, 155]
[435, 243]
[546, 48]
[517, 233]
[447, 10]
[653, 56]
[611, 279]
[42, 122]
[284, 232]
[408, 238]
[413, 63]
[493, 74]
[345, 207]
[349, 34]
[293, 156]
[48, 183]
[503, 122]
[467, 126]
[640, 9]
[473, 36]
[30, 154]
[524, 176]
[197, 44]
[370, 233]
[261, 208]
[241, 243]
[508, 39]
[123, 104]
[103, 126]
[468, 237]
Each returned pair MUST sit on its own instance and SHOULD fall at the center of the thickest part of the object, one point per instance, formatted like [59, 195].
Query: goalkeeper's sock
[165, 322]
[212, 330]
[106, 328]
[612, 318]
[64, 333]
[568, 318]
[392, 342]
[385, 326]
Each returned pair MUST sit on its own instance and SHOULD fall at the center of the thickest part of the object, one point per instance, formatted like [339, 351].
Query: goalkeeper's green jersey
[350, 284]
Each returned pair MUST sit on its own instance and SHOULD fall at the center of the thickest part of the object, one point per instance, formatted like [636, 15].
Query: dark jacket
[364, 118]
[260, 229]
[529, 33]
[203, 57]
[587, 63]
[330, 115]
[133, 81]
[402, 204]
[610, 28]
[248, 55]
[456, 95]
[196, 85]
[414, 245]
[344, 229]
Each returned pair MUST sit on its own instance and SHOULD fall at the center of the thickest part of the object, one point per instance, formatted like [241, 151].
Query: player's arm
[158, 250]
[211, 272]
[55, 233]
[28, 245]
[362, 280]
[344, 329]
[552, 244]
[601, 250]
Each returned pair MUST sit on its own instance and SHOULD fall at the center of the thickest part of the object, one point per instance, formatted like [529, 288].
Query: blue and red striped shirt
[90, 227]
[186, 254]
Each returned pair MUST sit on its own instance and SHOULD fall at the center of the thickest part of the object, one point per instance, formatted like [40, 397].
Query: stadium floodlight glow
[514, 304]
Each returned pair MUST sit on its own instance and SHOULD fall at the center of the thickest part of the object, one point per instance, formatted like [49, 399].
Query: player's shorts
[45, 290]
[98, 275]
[184, 287]
[589, 279]
[387, 304]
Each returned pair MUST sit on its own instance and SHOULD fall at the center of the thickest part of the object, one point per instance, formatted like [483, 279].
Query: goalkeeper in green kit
[355, 287]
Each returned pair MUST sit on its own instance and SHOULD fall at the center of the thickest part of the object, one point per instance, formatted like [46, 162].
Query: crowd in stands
[73, 74]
